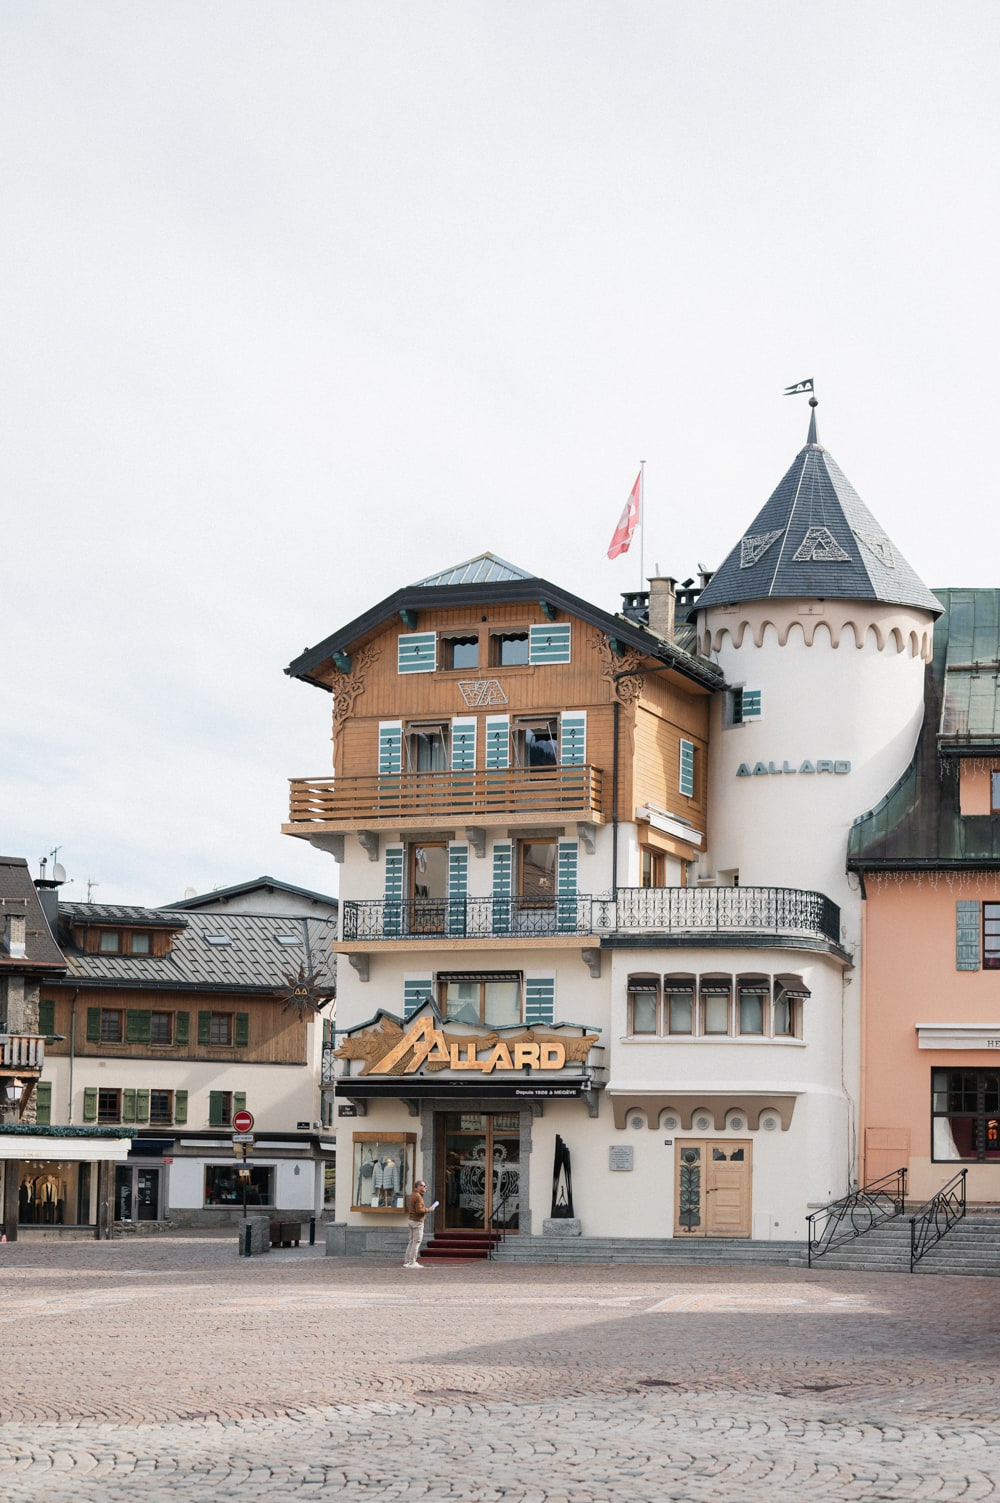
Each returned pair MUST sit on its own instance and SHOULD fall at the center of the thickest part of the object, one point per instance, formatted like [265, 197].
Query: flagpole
[642, 522]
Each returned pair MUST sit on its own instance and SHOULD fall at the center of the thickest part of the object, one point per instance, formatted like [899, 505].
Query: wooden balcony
[517, 795]
[22, 1054]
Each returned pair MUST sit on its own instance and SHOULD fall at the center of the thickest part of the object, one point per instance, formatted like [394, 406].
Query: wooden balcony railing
[22, 1052]
[701, 913]
[478, 795]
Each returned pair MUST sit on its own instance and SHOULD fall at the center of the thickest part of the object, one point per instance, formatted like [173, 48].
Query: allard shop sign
[387, 1050]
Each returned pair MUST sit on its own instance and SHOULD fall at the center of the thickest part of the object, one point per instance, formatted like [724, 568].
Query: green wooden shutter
[417, 653]
[392, 917]
[47, 1016]
[239, 1101]
[390, 748]
[216, 1112]
[180, 1108]
[539, 1000]
[967, 935]
[573, 739]
[181, 1026]
[137, 1026]
[43, 1103]
[463, 745]
[686, 782]
[549, 643]
[128, 1105]
[242, 1030]
[93, 1025]
[497, 742]
[204, 1028]
[566, 876]
[416, 992]
[90, 1104]
[142, 1106]
[458, 888]
[503, 871]
[750, 703]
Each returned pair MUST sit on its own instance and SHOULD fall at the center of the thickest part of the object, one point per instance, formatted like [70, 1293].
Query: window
[426, 746]
[109, 1106]
[460, 651]
[991, 936]
[224, 1185]
[643, 1005]
[508, 649]
[288, 939]
[161, 1028]
[752, 1007]
[715, 996]
[111, 1026]
[491, 998]
[109, 942]
[537, 873]
[995, 792]
[141, 944]
[220, 1028]
[654, 868]
[536, 741]
[219, 940]
[965, 1116]
[161, 1108]
[678, 1001]
[741, 705]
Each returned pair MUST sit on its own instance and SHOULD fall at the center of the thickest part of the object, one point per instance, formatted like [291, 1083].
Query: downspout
[72, 1053]
[614, 803]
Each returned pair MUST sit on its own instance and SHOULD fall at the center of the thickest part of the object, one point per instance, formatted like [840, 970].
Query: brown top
[415, 1208]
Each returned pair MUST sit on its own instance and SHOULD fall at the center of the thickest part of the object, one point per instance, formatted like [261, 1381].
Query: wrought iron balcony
[699, 913]
[469, 918]
[477, 796]
[779, 911]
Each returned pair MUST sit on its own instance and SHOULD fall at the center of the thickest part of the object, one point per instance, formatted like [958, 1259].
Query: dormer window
[141, 944]
[109, 942]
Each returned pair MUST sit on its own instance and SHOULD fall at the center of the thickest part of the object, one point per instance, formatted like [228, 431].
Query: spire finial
[812, 439]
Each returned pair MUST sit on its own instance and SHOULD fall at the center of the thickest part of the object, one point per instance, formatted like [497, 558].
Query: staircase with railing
[853, 1215]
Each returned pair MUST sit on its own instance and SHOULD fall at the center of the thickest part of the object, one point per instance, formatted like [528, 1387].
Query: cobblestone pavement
[170, 1368]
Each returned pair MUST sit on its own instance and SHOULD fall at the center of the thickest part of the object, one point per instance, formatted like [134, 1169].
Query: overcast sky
[304, 301]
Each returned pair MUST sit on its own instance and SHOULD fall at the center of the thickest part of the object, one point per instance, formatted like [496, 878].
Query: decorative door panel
[712, 1190]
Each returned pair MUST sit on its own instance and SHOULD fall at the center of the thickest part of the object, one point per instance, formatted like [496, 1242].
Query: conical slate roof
[816, 539]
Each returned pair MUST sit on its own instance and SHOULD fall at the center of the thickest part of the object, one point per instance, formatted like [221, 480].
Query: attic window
[110, 942]
[217, 939]
[288, 939]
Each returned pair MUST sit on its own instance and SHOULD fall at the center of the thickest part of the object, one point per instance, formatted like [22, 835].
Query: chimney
[662, 597]
[14, 930]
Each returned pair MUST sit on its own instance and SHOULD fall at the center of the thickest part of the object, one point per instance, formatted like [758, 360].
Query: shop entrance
[479, 1179]
[137, 1193]
[712, 1194]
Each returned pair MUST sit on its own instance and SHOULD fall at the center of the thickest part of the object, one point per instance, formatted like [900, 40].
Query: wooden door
[712, 1195]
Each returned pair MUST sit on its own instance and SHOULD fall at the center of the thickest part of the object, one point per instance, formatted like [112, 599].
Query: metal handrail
[501, 1232]
[937, 1217]
[853, 1215]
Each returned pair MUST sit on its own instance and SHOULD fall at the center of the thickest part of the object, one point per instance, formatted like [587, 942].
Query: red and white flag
[628, 521]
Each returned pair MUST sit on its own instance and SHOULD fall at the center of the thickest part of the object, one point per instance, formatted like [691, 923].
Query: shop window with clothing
[224, 1185]
[965, 1116]
[382, 1170]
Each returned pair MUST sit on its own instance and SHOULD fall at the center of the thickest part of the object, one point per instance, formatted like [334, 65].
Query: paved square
[171, 1368]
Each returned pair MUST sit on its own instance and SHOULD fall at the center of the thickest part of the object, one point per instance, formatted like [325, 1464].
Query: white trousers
[413, 1246]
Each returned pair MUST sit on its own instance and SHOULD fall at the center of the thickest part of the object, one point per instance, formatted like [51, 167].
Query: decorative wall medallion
[879, 544]
[769, 1123]
[820, 547]
[737, 1124]
[703, 1123]
[636, 1123]
[671, 1123]
[752, 549]
[627, 688]
[482, 691]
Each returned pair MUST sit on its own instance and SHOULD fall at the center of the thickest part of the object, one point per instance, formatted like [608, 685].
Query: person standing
[416, 1210]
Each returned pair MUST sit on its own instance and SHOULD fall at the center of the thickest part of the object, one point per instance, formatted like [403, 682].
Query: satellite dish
[58, 872]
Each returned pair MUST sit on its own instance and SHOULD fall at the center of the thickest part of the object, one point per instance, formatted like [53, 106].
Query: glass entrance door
[480, 1154]
[137, 1193]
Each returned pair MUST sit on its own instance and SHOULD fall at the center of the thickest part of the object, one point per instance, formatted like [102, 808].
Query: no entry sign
[243, 1121]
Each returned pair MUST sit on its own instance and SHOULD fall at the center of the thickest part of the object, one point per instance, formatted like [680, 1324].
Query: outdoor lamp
[14, 1090]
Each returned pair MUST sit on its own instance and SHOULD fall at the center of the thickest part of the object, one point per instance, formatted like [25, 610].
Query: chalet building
[594, 896]
[928, 858]
[169, 1021]
[52, 1176]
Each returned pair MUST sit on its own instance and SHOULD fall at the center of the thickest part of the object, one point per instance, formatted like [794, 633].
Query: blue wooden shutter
[566, 903]
[967, 935]
[549, 644]
[539, 1000]
[392, 915]
[503, 878]
[416, 991]
[417, 653]
[497, 742]
[573, 738]
[458, 888]
[686, 783]
[463, 745]
[390, 748]
[750, 703]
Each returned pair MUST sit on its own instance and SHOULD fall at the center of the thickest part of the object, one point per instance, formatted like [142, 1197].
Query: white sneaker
[414, 1265]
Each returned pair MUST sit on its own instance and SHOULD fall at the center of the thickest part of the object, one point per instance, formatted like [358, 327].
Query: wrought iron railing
[853, 1215]
[762, 910]
[22, 1051]
[703, 911]
[937, 1217]
[477, 794]
[499, 1228]
[468, 918]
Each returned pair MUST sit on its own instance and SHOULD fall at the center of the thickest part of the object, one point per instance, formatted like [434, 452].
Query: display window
[383, 1171]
